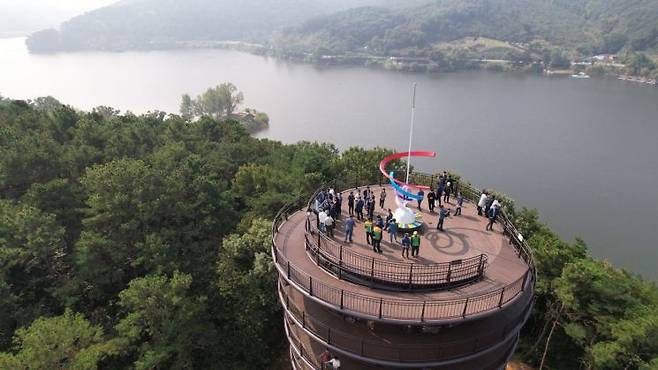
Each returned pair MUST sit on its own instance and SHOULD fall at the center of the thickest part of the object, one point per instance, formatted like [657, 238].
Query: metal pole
[411, 131]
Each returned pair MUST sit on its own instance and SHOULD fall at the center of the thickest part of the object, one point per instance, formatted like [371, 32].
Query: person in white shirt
[482, 203]
[329, 226]
[322, 216]
[334, 363]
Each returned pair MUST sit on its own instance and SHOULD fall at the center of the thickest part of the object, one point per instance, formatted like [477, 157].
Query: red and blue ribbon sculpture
[399, 186]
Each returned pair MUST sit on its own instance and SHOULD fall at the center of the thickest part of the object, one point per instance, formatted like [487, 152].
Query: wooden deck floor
[465, 236]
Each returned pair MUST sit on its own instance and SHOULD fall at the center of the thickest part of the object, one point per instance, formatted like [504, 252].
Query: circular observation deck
[462, 273]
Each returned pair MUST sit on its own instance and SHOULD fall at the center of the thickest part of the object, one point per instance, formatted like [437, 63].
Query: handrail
[401, 310]
[405, 353]
[351, 265]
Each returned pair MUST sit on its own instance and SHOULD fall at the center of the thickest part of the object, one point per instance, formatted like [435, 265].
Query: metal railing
[353, 266]
[407, 353]
[401, 310]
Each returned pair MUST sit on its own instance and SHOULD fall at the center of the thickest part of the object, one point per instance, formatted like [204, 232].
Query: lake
[584, 152]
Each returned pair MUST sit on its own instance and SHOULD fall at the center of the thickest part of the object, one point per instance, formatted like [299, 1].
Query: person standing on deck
[392, 227]
[415, 244]
[443, 213]
[439, 191]
[406, 244]
[349, 229]
[379, 221]
[482, 202]
[325, 357]
[359, 209]
[339, 205]
[377, 235]
[490, 201]
[350, 203]
[389, 217]
[421, 195]
[371, 207]
[329, 225]
[366, 193]
[367, 226]
[460, 204]
[493, 215]
[382, 198]
[447, 191]
[321, 217]
[431, 199]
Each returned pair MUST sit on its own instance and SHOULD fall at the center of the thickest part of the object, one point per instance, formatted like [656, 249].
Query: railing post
[500, 301]
[381, 303]
[341, 298]
[411, 274]
[288, 270]
[340, 263]
[465, 306]
[372, 269]
[422, 313]
[303, 319]
[525, 277]
[481, 266]
[310, 285]
[449, 273]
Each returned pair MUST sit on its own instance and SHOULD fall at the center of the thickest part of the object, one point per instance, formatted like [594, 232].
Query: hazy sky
[19, 17]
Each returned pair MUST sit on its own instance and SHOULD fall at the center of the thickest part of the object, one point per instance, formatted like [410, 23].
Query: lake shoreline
[387, 63]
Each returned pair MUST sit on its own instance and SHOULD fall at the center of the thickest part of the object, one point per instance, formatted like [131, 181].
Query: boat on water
[580, 75]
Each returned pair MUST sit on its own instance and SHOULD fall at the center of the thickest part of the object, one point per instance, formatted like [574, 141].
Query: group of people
[329, 206]
[374, 230]
[489, 207]
[445, 188]
[364, 201]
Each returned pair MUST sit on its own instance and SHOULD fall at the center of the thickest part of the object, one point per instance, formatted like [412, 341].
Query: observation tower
[460, 305]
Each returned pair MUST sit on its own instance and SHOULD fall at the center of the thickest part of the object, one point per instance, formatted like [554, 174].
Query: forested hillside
[148, 24]
[144, 242]
[590, 26]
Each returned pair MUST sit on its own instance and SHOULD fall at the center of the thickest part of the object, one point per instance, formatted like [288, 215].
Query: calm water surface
[585, 152]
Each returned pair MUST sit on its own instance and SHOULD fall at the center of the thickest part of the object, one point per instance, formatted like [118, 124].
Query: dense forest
[152, 24]
[591, 27]
[143, 242]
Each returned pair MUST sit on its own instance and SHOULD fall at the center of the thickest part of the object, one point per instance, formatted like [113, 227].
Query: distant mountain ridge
[145, 24]
[591, 26]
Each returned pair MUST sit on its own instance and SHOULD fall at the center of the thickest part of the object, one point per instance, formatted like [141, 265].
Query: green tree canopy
[63, 342]
[217, 102]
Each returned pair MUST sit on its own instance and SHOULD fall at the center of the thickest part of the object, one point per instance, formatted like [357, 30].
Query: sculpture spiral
[405, 217]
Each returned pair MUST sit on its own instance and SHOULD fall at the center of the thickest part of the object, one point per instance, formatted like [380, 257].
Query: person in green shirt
[368, 227]
[415, 244]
